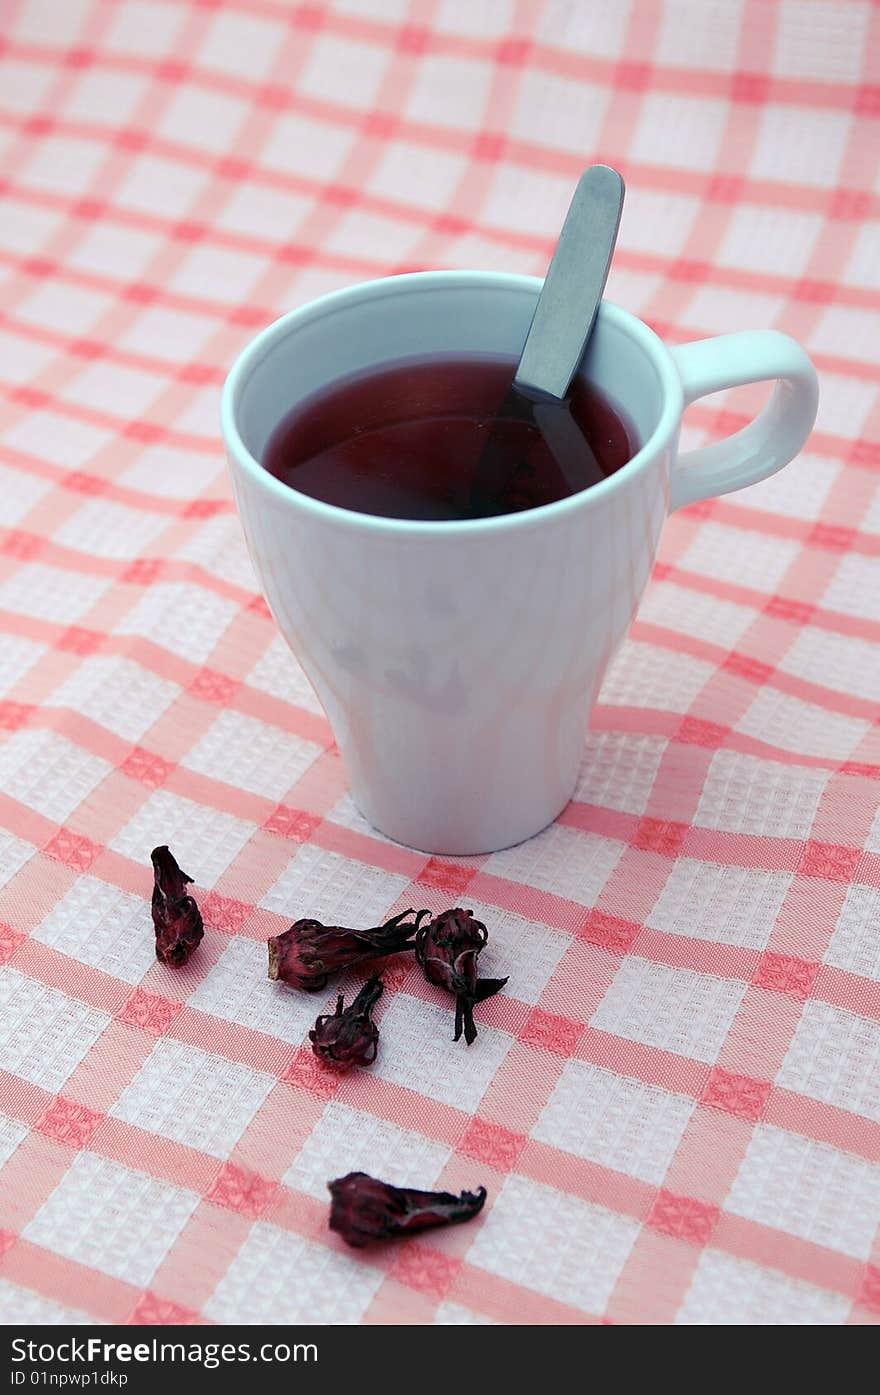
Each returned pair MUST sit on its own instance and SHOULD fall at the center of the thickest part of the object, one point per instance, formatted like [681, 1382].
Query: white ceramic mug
[457, 662]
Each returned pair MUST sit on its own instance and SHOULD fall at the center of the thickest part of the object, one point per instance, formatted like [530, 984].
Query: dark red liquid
[443, 438]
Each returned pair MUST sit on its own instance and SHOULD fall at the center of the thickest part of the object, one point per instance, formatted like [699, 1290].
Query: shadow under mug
[457, 661]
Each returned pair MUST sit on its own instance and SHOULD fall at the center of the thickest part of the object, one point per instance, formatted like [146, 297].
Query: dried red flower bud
[309, 952]
[350, 1037]
[447, 950]
[363, 1209]
[176, 916]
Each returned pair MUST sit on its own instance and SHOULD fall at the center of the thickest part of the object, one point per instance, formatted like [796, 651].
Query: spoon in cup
[555, 344]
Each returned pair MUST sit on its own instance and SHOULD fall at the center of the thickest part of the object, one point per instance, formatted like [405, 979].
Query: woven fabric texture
[675, 1104]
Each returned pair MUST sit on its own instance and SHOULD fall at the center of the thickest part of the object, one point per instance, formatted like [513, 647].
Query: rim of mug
[263, 343]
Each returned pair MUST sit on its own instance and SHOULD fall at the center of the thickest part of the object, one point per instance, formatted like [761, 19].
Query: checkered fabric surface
[675, 1106]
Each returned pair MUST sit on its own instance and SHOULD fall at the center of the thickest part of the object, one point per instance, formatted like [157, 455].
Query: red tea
[422, 438]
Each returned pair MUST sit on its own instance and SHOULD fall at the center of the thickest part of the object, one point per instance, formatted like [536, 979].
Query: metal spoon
[558, 335]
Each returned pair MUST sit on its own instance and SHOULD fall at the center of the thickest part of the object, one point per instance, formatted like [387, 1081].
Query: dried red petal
[350, 1037]
[364, 1210]
[447, 950]
[308, 953]
[176, 916]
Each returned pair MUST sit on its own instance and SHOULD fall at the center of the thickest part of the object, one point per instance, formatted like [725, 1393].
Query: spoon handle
[573, 286]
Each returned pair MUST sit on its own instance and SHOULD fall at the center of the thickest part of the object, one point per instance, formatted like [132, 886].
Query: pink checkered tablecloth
[675, 1106]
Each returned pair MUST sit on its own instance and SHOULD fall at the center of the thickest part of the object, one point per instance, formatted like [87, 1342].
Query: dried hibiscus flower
[349, 1037]
[447, 950]
[176, 916]
[363, 1209]
[308, 953]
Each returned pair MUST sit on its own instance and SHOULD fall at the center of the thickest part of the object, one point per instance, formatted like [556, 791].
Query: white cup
[458, 662]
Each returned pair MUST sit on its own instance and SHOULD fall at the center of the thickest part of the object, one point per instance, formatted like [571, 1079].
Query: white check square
[25, 229]
[106, 98]
[115, 389]
[117, 693]
[11, 1134]
[342, 70]
[122, 252]
[160, 186]
[205, 840]
[568, 1249]
[835, 1057]
[747, 794]
[174, 336]
[727, 1291]
[808, 1189]
[854, 587]
[107, 1217]
[242, 45]
[800, 490]
[43, 1034]
[97, 924]
[704, 36]
[676, 1010]
[182, 617]
[59, 439]
[691, 612]
[350, 1140]
[48, 773]
[489, 19]
[50, 593]
[561, 860]
[269, 214]
[450, 91]
[657, 222]
[528, 952]
[20, 493]
[855, 944]
[215, 116]
[419, 1054]
[218, 273]
[200, 1100]
[800, 145]
[598, 31]
[684, 132]
[278, 1276]
[606, 1118]
[314, 149]
[143, 28]
[170, 473]
[101, 528]
[803, 727]
[559, 112]
[618, 770]
[14, 853]
[778, 241]
[72, 310]
[24, 85]
[863, 267]
[841, 662]
[740, 556]
[334, 889]
[720, 903]
[17, 657]
[24, 1307]
[250, 755]
[279, 673]
[826, 41]
[236, 989]
[62, 165]
[644, 675]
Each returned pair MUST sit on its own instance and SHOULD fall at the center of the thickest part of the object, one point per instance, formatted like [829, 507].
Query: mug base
[451, 847]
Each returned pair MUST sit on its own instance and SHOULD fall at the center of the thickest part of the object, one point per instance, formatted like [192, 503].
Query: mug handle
[776, 434]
